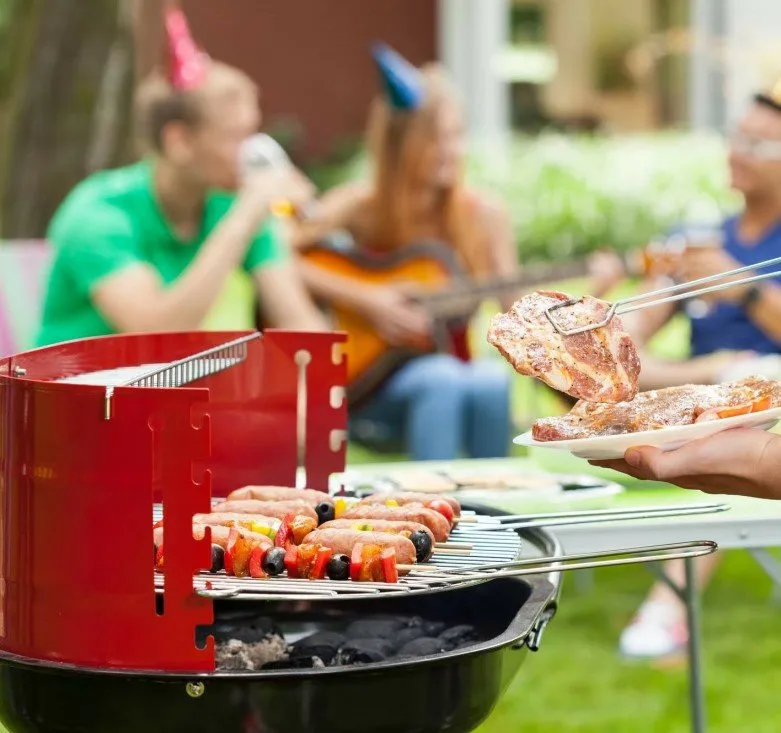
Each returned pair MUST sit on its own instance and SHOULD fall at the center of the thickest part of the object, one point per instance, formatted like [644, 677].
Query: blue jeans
[438, 406]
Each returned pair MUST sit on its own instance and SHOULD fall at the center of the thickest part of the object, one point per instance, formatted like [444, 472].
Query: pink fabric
[23, 266]
[188, 63]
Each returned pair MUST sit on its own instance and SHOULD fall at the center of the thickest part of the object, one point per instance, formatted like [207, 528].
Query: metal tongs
[664, 295]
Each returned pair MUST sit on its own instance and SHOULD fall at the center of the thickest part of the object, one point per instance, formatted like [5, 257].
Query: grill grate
[190, 369]
[486, 547]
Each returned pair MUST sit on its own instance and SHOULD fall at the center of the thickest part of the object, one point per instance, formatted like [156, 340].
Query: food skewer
[670, 294]
[265, 531]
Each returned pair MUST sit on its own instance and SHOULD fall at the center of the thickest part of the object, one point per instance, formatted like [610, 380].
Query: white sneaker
[658, 630]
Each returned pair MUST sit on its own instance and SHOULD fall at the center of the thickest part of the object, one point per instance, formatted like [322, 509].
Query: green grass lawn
[577, 683]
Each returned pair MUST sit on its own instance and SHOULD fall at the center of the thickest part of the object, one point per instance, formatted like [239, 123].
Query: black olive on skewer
[325, 512]
[218, 559]
[423, 545]
[274, 562]
[338, 567]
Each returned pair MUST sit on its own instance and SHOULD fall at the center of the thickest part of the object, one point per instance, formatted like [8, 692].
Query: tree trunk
[149, 35]
[72, 109]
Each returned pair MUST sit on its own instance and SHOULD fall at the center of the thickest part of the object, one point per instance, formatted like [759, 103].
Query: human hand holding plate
[744, 462]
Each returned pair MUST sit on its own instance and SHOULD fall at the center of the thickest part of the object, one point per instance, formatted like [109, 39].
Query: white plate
[615, 446]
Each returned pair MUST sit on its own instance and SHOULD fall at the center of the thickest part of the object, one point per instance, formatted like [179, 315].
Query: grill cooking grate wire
[486, 547]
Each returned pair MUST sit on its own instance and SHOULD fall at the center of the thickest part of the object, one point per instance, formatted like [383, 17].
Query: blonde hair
[397, 141]
[158, 103]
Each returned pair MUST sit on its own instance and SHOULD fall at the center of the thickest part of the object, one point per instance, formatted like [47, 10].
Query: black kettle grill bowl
[452, 692]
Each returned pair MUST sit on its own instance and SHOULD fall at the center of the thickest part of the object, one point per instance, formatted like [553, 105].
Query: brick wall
[310, 57]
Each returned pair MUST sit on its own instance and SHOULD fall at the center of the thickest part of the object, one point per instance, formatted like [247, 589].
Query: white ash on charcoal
[238, 656]
[248, 644]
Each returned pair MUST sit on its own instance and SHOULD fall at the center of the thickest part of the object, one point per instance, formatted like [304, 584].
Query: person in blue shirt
[734, 323]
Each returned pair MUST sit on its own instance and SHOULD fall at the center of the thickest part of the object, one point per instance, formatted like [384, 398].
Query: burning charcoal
[296, 663]
[381, 627]
[407, 635]
[433, 628]
[423, 647]
[323, 644]
[249, 630]
[458, 636]
[364, 651]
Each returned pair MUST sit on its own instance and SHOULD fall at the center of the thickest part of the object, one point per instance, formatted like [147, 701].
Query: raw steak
[599, 366]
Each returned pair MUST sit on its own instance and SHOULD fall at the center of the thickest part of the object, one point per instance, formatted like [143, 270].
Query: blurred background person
[436, 405]
[727, 328]
[154, 246]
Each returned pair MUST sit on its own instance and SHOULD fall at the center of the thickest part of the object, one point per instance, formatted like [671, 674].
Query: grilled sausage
[278, 509]
[342, 541]
[420, 535]
[227, 519]
[438, 525]
[281, 493]
[219, 535]
[411, 497]
[300, 526]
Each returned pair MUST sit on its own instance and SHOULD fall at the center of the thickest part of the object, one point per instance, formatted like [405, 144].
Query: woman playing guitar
[435, 405]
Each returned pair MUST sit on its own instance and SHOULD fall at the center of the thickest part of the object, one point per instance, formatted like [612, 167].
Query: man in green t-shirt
[159, 245]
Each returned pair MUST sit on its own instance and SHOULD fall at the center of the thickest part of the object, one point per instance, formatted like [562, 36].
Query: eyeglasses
[754, 147]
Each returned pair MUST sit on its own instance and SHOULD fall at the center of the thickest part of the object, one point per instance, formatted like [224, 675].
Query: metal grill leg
[695, 655]
[689, 594]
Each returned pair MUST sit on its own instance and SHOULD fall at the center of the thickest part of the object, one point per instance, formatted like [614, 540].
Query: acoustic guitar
[431, 275]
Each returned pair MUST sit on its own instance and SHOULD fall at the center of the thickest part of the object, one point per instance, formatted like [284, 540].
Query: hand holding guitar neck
[398, 320]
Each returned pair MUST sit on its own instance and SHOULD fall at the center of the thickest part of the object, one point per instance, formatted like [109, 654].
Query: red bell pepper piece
[390, 569]
[291, 561]
[285, 532]
[438, 505]
[324, 554]
[230, 550]
[356, 562]
[256, 558]
[159, 558]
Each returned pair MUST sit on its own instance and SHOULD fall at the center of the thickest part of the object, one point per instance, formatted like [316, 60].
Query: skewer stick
[467, 520]
[421, 566]
[458, 545]
[452, 551]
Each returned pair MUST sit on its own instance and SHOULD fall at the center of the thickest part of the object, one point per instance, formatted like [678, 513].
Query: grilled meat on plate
[661, 409]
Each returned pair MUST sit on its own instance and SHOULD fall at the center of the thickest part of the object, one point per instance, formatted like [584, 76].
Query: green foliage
[569, 195]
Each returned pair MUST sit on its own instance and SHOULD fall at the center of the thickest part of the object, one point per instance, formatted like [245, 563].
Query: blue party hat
[401, 80]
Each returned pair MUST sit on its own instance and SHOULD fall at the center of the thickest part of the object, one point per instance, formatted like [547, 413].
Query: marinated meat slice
[660, 409]
[599, 366]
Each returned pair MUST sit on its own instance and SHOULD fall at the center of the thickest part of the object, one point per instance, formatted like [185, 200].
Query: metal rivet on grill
[195, 689]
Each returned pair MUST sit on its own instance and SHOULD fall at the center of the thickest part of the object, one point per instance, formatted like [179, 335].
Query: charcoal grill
[91, 639]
